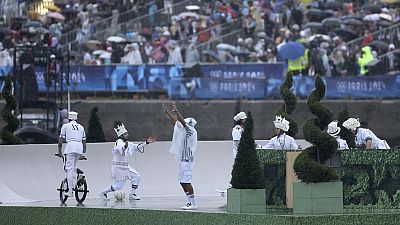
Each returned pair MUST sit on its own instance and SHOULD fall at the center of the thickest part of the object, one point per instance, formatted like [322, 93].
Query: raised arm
[178, 115]
[168, 114]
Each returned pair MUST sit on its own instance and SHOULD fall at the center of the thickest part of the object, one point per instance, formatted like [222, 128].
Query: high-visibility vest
[365, 59]
[305, 59]
[295, 64]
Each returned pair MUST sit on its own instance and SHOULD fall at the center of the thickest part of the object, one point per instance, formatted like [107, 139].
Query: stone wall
[215, 118]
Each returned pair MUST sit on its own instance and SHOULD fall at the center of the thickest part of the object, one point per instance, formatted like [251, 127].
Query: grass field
[10, 215]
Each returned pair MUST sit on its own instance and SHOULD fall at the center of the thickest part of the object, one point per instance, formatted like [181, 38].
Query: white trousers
[70, 161]
[133, 176]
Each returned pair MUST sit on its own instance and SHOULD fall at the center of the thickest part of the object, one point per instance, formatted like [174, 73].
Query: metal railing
[389, 35]
[123, 23]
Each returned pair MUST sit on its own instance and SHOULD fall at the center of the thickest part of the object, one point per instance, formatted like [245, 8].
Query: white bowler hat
[333, 128]
[240, 116]
[351, 123]
[72, 115]
[281, 123]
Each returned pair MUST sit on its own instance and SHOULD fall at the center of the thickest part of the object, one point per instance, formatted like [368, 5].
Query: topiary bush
[344, 133]
[95, 129]
[247, 172]
[308, 165]
[12, 121]
[290, 104]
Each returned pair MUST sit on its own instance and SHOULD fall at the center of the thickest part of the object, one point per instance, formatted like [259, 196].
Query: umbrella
[353, 22]
[384, 23]
[42, 30]
[226, 47]
[192, 7]
[55, 15]
[379, 45]
[33, 24]
[116, 39]
[385, 16]
[69, 11]
[331, 22]
[319, 37]
[313, 25]
[316, 15]
[93, 44]
[99, 52]
[53, 8]
[5, 30]
[188, 14]
[211, 54]
[241, 53]
[346, 34]
[332, 5]
[371, 17]
[329, 12]
[372, 8]
[292, 50]
[105, 55]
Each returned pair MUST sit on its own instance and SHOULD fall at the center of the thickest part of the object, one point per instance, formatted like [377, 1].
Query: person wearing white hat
[120, 168]
[334, 131]
[74, 134]
[282, 140]
[364, 136]
[237, 131]
[183, 147]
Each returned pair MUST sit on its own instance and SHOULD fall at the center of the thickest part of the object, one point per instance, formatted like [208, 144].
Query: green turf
[87, 216]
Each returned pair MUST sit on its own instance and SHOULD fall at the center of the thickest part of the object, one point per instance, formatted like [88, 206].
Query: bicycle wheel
[81, 190]
[63, 190]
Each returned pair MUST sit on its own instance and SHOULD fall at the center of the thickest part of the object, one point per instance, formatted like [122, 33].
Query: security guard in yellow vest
[365, 58]
[296, 66]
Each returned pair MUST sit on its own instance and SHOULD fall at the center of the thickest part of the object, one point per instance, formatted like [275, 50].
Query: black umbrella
[313, 25]
[372, 8]
[353, 22]
[316, 15]
[329, 12]
[384, 23]
[346, 34]
[331, 23]
[332, 5]
[379, 45]
[102, 14]
[69, 11]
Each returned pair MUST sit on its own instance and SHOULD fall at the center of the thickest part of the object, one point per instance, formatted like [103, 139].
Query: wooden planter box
[246, 201]
[318, 198]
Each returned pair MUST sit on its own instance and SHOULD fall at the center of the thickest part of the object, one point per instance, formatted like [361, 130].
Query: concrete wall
[215, 118]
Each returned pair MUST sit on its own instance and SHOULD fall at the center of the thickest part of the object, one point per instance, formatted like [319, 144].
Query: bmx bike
[80, 190]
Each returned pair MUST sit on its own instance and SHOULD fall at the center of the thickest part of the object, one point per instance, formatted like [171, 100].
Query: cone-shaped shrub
[290, 104]
[247, 172]
[95, 129]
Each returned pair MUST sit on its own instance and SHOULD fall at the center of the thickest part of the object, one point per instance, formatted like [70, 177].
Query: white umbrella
[321, 36]
[188, 14]
[385, 17]
[105, 55]
[226, 47]
[192, 7]
[371, 17]
[99, 52]
[116, 39]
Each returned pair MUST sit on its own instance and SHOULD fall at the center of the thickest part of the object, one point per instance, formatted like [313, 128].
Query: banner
[216, 81]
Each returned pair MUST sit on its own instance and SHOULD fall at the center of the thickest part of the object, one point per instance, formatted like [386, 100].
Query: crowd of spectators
[326, 28]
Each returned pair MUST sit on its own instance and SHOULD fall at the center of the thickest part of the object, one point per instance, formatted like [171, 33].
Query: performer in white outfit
[334, 131]
[364, 136]
[237, 131]
[184, 144]
[282, 140]
[120, 168]
[74, 134]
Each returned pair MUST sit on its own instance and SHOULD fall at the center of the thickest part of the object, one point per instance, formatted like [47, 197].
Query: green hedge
[88, 216]
[370, 177]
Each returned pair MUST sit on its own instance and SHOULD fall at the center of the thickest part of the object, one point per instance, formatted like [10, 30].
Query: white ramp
[33, 173]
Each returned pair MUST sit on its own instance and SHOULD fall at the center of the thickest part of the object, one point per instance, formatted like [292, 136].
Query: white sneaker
[189, 206]
[103, 196]
[134, 197]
